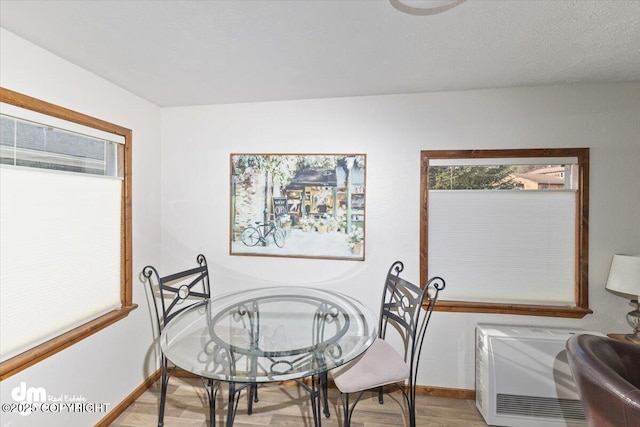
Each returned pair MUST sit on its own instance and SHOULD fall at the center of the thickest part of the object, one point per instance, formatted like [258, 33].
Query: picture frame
[298, 205]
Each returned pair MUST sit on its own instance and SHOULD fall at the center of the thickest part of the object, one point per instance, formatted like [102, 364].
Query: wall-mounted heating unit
[523, 377]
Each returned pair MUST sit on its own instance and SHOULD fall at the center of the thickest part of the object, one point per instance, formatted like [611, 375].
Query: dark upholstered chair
[607, 374]
[405, 310]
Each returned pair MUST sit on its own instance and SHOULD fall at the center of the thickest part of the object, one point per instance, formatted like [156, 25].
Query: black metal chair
[407, 309]
[184, 289]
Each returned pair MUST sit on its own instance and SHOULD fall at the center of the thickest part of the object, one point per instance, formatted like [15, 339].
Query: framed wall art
[298, 205]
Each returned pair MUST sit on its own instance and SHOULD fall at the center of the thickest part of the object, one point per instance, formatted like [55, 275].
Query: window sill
[520, 309]
[30, 357]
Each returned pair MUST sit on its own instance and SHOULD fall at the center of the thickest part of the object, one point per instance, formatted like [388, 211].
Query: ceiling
[175, 53]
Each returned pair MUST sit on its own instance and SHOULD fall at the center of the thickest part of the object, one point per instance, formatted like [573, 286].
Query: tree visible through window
[471, 177]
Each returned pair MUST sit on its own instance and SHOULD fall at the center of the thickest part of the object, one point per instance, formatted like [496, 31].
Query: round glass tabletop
[269, 334]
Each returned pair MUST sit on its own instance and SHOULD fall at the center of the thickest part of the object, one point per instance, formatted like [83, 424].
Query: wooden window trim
[582, 233]
[51, 347]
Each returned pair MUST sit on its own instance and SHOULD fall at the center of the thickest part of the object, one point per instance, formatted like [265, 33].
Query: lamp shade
[624, 276]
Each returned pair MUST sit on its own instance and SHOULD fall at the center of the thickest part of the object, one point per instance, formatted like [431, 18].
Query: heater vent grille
[544, 407]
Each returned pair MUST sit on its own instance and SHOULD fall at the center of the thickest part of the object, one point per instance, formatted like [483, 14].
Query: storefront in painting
[317, 200]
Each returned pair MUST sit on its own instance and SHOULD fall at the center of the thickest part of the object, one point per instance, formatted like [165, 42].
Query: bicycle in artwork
[260, 232]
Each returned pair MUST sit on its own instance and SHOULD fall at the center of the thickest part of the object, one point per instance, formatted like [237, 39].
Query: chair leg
[381, 395]
[163, 391]
[212, 409]
[411, 402]
[252, 393]
[252, 396]
[212, 391]
[234, 396]
[410, 399]
[315, 394]
[346, 414]
[324, 390]
[346, 410]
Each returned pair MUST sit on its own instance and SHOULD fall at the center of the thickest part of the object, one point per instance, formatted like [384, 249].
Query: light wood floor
[289, 406]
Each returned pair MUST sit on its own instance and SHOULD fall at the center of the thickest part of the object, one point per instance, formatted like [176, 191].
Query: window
[508, 229]
[36, 145]
[65, 228]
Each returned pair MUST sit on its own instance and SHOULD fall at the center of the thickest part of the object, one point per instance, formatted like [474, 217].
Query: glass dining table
[269, 335]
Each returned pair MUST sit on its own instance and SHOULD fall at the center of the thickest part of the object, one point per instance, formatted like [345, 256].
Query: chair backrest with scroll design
[177, 292]
[183, 289]
[407, 309]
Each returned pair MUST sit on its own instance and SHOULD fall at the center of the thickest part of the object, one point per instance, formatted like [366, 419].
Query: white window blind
[513, 247]
[60, 253]
[35, 117]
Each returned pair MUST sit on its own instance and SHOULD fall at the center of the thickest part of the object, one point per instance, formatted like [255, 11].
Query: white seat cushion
[379, 365]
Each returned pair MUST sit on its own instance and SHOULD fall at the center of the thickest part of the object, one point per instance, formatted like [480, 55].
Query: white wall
[109, 365]
[391, 130]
